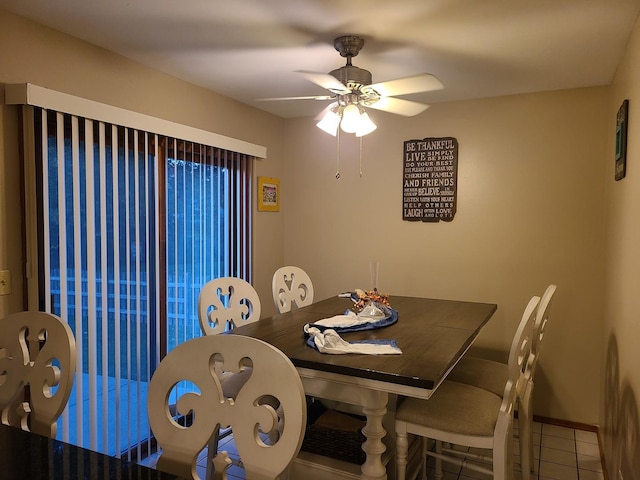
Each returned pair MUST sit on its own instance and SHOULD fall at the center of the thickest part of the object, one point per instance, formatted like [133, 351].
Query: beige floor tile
[587, 437]
[589, 475]
[587, 462]
[591, 449]
[558, 443]
[558, 472]
[558, 431]
[560, 457]
[467, 473]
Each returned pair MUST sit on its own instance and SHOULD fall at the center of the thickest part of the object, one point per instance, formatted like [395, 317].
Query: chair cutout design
[462, 414]
[201, 363]
[291, 285]
[225, 303]
[491, 375]
[38, 350]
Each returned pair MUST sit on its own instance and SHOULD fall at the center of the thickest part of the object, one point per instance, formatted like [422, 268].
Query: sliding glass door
[132, 225]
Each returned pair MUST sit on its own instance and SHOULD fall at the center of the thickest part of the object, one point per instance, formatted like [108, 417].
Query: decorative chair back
[199, 363]
[525, 393]
[36, 349]
[540, 326]
[291, 285]
[225, 303]
[519, 374]
[519, 367]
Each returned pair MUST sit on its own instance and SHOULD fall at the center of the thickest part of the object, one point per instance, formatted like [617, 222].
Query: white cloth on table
[372, 317]
[349, 319]
[328, 341]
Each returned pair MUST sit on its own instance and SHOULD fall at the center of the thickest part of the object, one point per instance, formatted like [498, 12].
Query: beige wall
[530, 212]
[11, 241]
[30, 53]
[621, 360]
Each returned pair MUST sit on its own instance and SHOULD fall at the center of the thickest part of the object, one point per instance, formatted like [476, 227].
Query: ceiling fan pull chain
[360, 157]
[338, 155]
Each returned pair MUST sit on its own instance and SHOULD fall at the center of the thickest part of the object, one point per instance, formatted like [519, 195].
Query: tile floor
[560, 454]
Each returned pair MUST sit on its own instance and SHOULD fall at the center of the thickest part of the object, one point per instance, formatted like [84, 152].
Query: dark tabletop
[27, 456]
[431, 333]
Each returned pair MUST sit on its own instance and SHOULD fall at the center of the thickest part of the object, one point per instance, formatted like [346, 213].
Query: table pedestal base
[373, 403]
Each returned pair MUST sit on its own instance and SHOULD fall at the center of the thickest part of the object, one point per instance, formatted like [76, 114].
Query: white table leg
[374, 406]
[402, 447]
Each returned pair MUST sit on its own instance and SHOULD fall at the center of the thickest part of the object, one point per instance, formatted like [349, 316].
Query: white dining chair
[37, 350]
[202, 408]
[291, 285]
[225, 303]
[492, 375]
[462, 414]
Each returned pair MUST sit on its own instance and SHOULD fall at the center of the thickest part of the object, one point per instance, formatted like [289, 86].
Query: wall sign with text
[429, 180]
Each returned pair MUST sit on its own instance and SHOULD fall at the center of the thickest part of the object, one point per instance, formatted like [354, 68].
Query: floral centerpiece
[362, 298]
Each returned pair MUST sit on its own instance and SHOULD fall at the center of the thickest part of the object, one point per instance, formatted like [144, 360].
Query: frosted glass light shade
[365, 125]
[350, 118]
[329, 123]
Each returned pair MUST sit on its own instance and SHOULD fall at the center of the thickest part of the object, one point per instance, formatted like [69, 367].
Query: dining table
[26, 455]
[432, 334]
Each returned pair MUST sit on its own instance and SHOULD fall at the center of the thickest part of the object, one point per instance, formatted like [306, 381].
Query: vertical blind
[208, 227]
[134, 223]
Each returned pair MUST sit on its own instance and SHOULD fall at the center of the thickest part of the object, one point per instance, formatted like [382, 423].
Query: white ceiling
[250, 49]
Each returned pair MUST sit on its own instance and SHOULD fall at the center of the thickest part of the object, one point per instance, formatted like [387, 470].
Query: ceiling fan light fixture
[350, 118]
[329, 123]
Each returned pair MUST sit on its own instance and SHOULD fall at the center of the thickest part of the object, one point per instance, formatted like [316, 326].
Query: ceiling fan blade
[399, 106]
[404, 86]
[312, 97]
[326, 81]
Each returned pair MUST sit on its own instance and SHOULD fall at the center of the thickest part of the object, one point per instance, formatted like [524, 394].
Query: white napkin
[349, 319]
[330, 342]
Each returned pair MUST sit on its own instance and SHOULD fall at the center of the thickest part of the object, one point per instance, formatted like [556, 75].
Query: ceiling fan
[352, 92]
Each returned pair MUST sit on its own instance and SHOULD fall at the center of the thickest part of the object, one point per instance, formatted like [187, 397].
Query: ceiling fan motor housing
[352, 77]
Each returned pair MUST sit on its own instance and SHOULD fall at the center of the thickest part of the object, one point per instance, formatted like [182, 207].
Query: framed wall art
[621, 140]
[268, 194]
[430, 179]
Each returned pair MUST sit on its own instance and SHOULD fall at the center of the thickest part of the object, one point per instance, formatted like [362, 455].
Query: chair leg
[438, 469]
[525, 420]
[220, 463]
[424, 442]
[212, 451]
[503, 460]
[402, 446]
